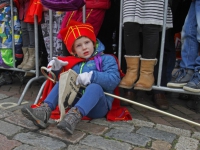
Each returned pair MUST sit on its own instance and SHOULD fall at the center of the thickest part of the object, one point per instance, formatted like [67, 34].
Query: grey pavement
[147, 131]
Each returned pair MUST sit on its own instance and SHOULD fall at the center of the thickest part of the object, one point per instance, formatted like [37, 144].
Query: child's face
[83, 47]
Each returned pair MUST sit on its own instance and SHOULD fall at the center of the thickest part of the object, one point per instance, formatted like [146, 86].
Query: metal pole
[12, 28]
[120, 34]
[153, 109]
[84, 14]
[36, 46]
[162, 43]
[51, 33]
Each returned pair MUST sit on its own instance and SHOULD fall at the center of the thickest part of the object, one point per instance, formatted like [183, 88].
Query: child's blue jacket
[108, 78]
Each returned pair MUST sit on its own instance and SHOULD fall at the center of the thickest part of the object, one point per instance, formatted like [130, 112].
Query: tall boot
[30, 65]
[146, 79]
[25, 58]
[131, 73]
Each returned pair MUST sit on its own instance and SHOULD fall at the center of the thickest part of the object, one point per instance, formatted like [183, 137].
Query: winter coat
[98, 4]
[146, 12]
[108, 78]
[23, 6]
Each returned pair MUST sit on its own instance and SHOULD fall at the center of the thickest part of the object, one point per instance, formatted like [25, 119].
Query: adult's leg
[190, 45]
[25, 34]
[132, 46]
[148, 60]
[31, 34]
[150, 41]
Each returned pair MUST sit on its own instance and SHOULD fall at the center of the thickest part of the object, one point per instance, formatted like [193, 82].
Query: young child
[97, 71]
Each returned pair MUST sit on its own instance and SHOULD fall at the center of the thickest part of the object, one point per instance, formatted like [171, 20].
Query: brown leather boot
[25, 58]
[146, 79]
[160, 101]
[131, 73]
[30, 65]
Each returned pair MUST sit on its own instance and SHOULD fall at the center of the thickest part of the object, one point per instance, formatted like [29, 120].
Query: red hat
[75, 30]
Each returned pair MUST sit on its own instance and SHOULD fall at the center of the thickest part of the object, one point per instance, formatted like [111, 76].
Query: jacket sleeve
[109, 78]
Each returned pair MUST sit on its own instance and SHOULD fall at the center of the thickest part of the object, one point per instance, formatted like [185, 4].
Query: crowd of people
[85, 48]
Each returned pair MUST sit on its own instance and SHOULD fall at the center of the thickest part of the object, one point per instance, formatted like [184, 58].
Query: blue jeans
[93, 103]
[191, 37]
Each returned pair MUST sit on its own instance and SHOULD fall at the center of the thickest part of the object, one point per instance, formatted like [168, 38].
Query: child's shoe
[39, 115]
[194, 84]
[70, 120]
[180, 78]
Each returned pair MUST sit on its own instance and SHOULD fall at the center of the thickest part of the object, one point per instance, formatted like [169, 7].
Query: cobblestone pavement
[147, 131]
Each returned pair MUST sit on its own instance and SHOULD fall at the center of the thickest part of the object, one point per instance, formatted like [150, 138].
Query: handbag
[63, 5]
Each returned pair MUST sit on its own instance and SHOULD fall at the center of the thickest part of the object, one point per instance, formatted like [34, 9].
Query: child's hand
[84, 78]
[56, 64]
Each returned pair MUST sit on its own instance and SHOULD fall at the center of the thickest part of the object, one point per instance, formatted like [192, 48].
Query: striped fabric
[146, 12]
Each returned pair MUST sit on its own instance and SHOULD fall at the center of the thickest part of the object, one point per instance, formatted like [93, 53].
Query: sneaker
[180, 78]
[70, 120]
[39, 115]
[5, 78]
[194, 84]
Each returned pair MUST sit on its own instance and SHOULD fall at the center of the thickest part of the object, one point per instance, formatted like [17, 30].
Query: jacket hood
[99, 47]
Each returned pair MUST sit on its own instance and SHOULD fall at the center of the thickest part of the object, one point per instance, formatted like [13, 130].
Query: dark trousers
[149, 40]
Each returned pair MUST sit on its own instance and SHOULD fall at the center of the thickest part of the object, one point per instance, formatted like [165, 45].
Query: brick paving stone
[5, 113]
[152, 114]
[28, 147]
[81, 147]
[9, 129]
[3, 96]
[101, 121]
[53, 131]
[6, 144]
[156, 134]
[141, 123]
[195, 116]
[125, 129]
[40, 141]
[174, 130]
[186, 143]
[132, 138]
[140, 109]
[196, 135]
[137, 148]
[159, 120]
[169, 119]
[130, 109]
[138, 115]
[161, 145]
[21, 121]
[183, 125]
[104, 144]
[111, 124]
[173, 111]
[183, 110]
[91, 128]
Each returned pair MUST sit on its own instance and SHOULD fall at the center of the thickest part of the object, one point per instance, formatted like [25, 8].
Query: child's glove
[56, 64]
[84, 78]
